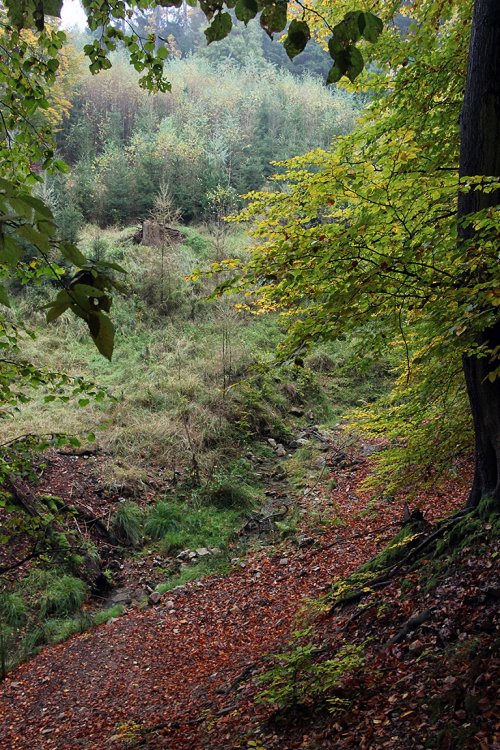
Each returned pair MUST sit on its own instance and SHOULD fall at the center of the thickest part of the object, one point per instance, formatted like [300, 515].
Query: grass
[127, 523]
[203, 526]
[192, 392]
[12, 609]
[209, 566]
[63, 596]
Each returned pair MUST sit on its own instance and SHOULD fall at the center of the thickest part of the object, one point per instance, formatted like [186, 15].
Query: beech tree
[480, 155]
[370, 230]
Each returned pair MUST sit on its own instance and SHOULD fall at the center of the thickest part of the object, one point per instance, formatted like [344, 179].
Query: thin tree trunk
[480, 155]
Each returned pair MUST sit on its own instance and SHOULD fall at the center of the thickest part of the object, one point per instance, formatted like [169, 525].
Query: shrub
[299, 677]
[126, 523]
[63, 596]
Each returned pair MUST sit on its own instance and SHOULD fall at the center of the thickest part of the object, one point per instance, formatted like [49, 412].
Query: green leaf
[39, 240]
[52, 8]
[58, 306]
[11, 252]
[102, 331]
[347, 31]
[72, 253]
[109, 264]
[370, 26]
[162, 53]
[355, 62]
[87, 291]
[219, 28]
[245, 10]
[348, 62]
[297, 38]
[4, 299]
[274, 17]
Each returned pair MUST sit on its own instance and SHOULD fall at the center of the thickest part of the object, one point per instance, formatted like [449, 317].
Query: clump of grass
[163, 518]
[225, 493]
[63, 596]
[58, 630]
[12, 609]
[231, 487]
[209, 566]
[107, 614]
[127, 523]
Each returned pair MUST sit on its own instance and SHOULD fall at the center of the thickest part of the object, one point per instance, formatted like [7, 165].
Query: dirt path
[182, 665]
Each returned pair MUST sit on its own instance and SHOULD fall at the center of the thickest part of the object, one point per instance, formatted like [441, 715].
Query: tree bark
[480, 155]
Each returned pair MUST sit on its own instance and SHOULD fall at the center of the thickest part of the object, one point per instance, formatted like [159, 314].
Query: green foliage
[300, 677]
[63, 596]
[351, 235]
[12, 609]
[201, 526]
[127, 523]
[212, 565]
[107, 614]
[163, 517]
[229, 488]
[6, 643]
[58, 630]
[217, 132]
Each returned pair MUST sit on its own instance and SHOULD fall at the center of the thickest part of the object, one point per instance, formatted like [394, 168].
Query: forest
[249, 374]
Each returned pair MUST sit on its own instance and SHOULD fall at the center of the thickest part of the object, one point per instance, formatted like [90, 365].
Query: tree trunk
[480, 155]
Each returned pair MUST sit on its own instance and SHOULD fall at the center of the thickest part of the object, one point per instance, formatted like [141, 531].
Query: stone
[304, 541]
[122, 596]
[296, 411]
[284, 561]
[184, 555]
[280, 451]
[203, 552]
[302, 441]
[368, 450]
[272, 442]
[155, 597]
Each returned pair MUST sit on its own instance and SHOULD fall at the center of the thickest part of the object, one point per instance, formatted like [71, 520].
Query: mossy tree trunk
[480, 155]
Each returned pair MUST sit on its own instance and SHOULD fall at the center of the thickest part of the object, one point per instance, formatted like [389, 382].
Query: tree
[480, 155]
[369, 230]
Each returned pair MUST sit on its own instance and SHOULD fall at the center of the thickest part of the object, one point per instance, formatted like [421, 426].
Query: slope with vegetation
[207, 438]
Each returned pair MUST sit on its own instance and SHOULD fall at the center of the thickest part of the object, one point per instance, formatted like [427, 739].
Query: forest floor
[183, 674]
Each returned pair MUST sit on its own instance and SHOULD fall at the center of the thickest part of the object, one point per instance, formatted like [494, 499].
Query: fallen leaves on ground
[180, 675]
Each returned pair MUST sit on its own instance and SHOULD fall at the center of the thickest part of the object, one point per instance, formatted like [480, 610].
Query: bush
[63, 596]
[127, 522]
